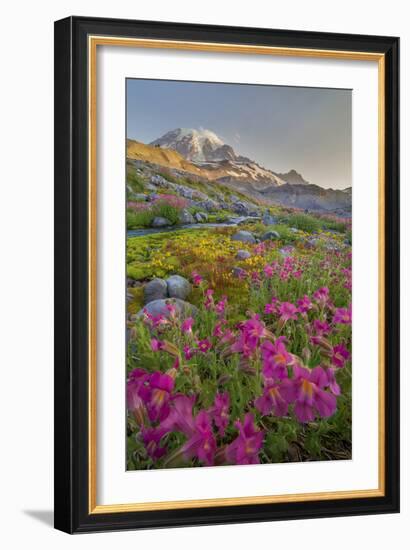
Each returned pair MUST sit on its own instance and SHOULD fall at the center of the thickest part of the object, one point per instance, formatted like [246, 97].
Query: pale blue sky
[307, 129]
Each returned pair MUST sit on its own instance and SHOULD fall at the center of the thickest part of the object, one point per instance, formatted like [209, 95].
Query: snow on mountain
[196, 145]
[207, 150]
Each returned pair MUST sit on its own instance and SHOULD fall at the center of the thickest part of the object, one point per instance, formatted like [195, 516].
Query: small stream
[233, 222]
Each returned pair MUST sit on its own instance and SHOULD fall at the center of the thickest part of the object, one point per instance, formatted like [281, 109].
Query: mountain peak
[198, 145]
[293, 177]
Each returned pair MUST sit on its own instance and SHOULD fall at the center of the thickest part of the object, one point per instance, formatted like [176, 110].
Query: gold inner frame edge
[93, 42]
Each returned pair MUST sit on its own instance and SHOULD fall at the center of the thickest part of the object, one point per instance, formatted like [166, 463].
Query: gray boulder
[155, 290]
[245, 208]
[268, 219]
[178, 287]
[238, 272]
[209, 205]
[139, 197]
[270, 235]
[243, 255]
[185, 217]
[244, 237]
[159, 307]
[159, 181]
[201, 217]
[158, 221]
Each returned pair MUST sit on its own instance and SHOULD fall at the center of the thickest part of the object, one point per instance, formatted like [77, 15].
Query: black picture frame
[72, 276]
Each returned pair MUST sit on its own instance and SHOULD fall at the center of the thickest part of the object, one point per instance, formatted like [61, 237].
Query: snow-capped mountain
[196, 145]
[205, 149]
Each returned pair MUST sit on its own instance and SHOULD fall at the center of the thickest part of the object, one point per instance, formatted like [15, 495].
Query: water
[152, 230]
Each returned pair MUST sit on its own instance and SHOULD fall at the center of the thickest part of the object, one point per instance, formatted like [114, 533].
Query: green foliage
[135, 181]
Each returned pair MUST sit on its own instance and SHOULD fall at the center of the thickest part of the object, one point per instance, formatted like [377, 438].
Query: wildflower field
[256, 367]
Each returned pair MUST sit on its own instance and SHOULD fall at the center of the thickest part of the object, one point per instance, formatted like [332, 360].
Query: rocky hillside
[203, 155]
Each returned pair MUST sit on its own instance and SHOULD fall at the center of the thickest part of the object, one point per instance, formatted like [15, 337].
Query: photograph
[238, 274]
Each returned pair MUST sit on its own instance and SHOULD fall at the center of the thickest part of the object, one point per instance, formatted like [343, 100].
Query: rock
[243, 255]
[294, 230]
[159, 181]
[185, 217]
[158, 221]
[312, 242]
[150, 187]
[178, 287]
[209, 205]
[139, 197]
[238, 272]
[267, 219]
[201, 217]
[245, 208]
[155, 290]
[270, 235]
[244, 237]
[286, 251]
[130, 297]
[159, 307]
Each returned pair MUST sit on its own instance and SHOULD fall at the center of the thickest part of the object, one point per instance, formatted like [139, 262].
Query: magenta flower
[322, 328]
[156, 345]
[171, 309]
[188, 352]
[218, 332]
[268, 270]
[331, 381]
[204, 345]
[321, 295]
[287, 311]
[272, 307]
[209, 300]
[186, 325]
[340, 355]
[275, 359]
[202, 442]
[343, 316]
[245, 448]
[220, 412]
[306, 389]
[272, 400]
[200, 438]
[196, 278]
[304, 304]
[152, 439]
[137, 393]
[161, 386]
[221, 305]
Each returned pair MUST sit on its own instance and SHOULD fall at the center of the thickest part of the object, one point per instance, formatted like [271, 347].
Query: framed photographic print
[226, 274]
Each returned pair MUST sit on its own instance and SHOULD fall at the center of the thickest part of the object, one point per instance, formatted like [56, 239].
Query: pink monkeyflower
[287, 311]
[204, 345]
[188, 352]
[268, 270]
[198, 430]
[152, 439]
[331, 381]
[272, 400]
[196, 278]
[343, 316]
[304, 304]
[156, 345]
[321, 295]
[272, 307]
[209, 300]
[137, 393]
[340, 355]
[307, 391]
[221, 305]
[220, 412]
[255, 277]
[322, 328]
[245, 448]
[297, 274]
[275, 359]
[186, 325]
[171, 309]
[218, 332]
[161, 386]
[227, 336]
